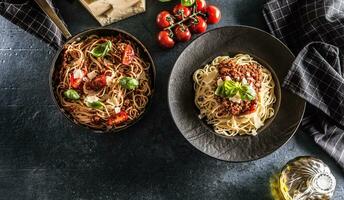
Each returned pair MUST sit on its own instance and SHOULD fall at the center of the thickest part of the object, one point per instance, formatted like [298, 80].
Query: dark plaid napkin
[27, 15]
[314, 30]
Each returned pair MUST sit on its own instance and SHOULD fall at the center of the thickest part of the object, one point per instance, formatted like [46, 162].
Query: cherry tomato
[164, 19]
[201, 6]
[198, 25]
[165, 40]
[182, 33]
[214, 14]
[98, 82]
[253, 107]
[118, 118]
[128, 55]
[180, 11]
[76, 82]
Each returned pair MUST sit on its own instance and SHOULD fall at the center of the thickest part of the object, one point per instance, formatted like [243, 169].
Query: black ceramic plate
[229, 41]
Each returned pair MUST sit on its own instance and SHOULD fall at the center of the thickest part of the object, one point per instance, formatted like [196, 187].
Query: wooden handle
[48, 10]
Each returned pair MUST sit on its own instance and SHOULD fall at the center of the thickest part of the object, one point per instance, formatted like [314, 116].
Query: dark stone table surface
[44, 156]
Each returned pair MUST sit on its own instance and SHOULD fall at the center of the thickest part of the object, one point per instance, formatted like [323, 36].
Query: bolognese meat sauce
[250, 73]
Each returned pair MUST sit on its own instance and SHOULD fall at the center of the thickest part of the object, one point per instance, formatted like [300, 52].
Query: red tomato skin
[179, 9]
[165, 40]
[253, 107]
[214, 14]
[128, 55]
[200, 26]
[164, 19]
[76, 82]
[201, 6]
[118, 118]
[182, 33]
[98, 82]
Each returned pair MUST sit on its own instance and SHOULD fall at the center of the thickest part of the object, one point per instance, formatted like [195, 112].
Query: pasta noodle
[228, 115]
[113, 99]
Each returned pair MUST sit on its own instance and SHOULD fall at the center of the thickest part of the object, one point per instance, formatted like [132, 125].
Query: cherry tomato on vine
[198, 25]
[164, 19]
[165, 40]
[180, 11]
[201, 6]
[182, 33]
[214, 14]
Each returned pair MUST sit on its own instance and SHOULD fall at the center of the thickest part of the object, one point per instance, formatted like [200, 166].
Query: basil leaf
[230, 88]
[95, 104]
[247, 93]
[227, 89]
[233, 92]
[71, 94]
[102, 49]
[129, 83]
[218, 91]
[188, 2]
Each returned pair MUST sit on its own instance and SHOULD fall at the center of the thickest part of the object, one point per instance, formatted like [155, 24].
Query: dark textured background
[44, 156]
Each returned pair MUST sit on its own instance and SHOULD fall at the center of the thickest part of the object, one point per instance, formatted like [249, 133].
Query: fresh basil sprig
[230, 88]
[102, 49]
[71, 94]
[129, 83]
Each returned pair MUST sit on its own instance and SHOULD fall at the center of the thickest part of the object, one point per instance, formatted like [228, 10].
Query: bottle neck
[323, 183]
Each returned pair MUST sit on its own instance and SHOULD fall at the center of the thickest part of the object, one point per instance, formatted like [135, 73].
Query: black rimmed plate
[231, 40]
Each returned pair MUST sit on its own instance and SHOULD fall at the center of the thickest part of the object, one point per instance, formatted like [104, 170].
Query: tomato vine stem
[184, 20]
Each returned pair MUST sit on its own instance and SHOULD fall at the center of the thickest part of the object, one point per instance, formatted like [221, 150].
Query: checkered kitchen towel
[314, 30]
[27, 15]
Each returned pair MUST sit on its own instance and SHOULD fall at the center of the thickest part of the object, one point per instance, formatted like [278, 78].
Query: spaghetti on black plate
[235, 94]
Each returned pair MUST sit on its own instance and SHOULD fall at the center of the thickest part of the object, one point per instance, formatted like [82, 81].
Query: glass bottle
[305, 178]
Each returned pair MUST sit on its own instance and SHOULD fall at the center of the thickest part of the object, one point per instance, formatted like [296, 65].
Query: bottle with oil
[304, 178]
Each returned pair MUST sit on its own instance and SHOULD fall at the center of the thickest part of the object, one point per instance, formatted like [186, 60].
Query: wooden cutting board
[109, 11]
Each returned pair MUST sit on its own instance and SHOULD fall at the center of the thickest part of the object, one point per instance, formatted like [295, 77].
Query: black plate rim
[175, 123]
